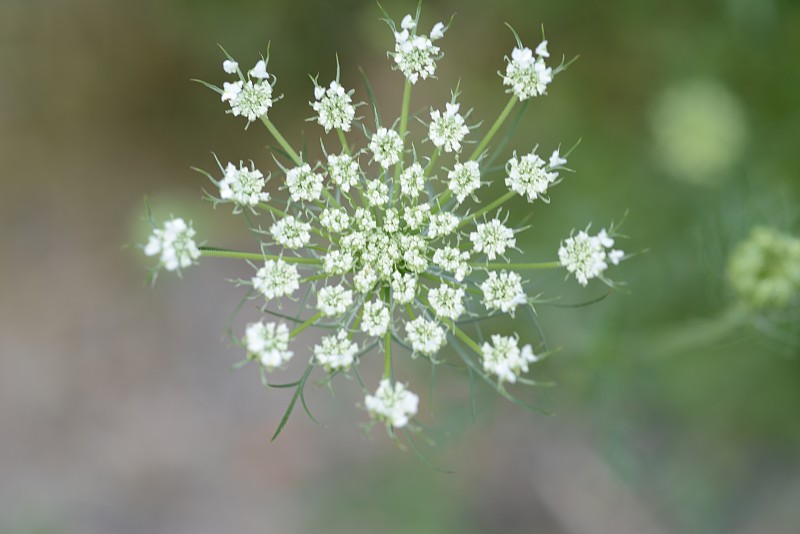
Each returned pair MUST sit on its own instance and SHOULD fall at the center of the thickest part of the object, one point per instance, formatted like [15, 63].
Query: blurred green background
[677, 405]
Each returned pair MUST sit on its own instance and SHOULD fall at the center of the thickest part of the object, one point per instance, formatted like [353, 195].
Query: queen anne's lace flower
[375, 320]
[337, 352]
[334, 300]
[503, 291]
[175, 244]
[334, 108]
[447, 129]
[447, 301]
[303, 183]
[415, 55]
[426, 337]
[386, 260]
[412, 180]
[442, 224]
[585, 255]
[492, 238]
[344, 171]
[526, 74]
[394, 405]
[244, 186]
[453, 260]
[291, 233]
[504, 359]
[386, 147]
[528, 175]
[268, 343]
[464, 179]
[276, 279]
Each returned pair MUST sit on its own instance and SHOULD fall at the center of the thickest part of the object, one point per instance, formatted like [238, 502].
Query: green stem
[495, 127]
[276, 211]
[523, 266]
[487, 208]
[309, 322]
[429, 168]
[282, 141]
[460, 334]
[315, 278]
[345, 146]
[387, 361]
[402, 132]
[223, 253]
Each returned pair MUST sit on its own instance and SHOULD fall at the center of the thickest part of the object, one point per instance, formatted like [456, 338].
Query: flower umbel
[395, 244]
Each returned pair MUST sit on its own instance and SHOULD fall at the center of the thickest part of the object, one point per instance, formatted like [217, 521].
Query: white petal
[408, 23]
[541, 50]
[230, 66]
[260, 70]
[438, 31]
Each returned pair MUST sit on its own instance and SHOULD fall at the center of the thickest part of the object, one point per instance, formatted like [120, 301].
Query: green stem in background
[387, 343]
[402, 132]
[495, 127]
[460, 334]
[429, 168]
[282, 141]
[387, 361]
[497, 202]
[224, 253]
[305, 325]
[522, 266]
[343, 140]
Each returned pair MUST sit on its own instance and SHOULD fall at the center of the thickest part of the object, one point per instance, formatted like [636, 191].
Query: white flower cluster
[504, 359]
[334, 107]
[250, 98]
[526, 73]
[587, 256]
[175, 244]
[392, 404]
[415, 54]
[395, 249]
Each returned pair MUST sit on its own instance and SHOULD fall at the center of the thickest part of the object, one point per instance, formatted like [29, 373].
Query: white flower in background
[268, 343]
[585, 255]
[338, 262]
[416, 216]
[447, 129]
[394, 405]
[175, 244]
[291, 233]
[426, 337]
[377, 193]
[386, 147]
[503, 291]
[464, 179]
[492, 238]
[276, 279]
[375, 320]
[412, 180]
[344, 171]
[447, 301]
[304, 184]
[504, 359]
[336, 353]
[526, 74]
[334, 107]
[334, 300]
[528, 176]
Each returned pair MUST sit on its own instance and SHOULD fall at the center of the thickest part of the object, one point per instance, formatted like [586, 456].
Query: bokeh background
[677, 407]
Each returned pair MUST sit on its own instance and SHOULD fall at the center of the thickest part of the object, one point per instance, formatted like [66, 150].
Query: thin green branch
[212, 252]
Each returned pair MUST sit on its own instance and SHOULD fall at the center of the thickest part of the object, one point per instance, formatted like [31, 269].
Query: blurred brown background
[118, 413]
